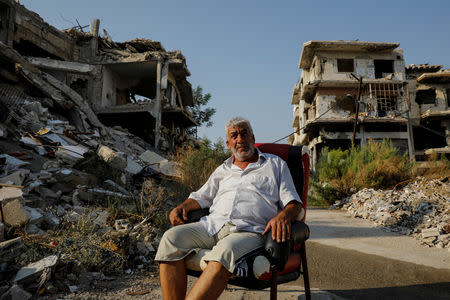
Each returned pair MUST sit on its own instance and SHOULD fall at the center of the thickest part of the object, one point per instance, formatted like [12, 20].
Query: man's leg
[221, 260]
[173, 279]
[175, 244]
[211, 283]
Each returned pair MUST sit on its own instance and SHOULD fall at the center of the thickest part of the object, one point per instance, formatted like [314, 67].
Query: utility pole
[356, 107]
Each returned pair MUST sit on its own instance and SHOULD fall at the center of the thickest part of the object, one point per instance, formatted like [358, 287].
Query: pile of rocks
[420, 209]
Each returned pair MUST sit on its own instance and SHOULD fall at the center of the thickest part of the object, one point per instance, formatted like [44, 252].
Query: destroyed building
[83, 120]
[429, 90]
[135, 84]
[336, 73]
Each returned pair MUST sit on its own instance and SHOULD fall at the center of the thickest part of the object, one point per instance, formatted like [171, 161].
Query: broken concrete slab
[116, 186]
[16, 293]
[12, 162]
[133, 166]
[15, 178]
[430, 232]
[14, 214]
[159, 163]
[34, 270]
[10, 193]
[93, 194]
[10, 249]
[115, 159]
[71, 154]
[151, 158]
[36, 215]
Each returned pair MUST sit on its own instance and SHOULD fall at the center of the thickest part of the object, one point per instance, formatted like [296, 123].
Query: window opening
[383, 67]
[345, 65]
[427, 96]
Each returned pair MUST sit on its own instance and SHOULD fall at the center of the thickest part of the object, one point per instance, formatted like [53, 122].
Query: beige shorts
[226, 246]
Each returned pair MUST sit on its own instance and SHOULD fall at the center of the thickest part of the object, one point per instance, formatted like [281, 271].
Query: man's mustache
[239, 146]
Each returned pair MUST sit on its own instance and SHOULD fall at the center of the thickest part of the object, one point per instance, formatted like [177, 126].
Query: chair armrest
[195, 215]
[279, 252]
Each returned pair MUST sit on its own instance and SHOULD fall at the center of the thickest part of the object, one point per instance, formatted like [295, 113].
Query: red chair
[275, 263]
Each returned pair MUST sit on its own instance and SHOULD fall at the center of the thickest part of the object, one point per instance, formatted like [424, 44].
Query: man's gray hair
[238, 122]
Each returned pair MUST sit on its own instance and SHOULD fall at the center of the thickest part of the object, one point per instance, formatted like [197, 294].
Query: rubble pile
[420, 209]
[66, 181]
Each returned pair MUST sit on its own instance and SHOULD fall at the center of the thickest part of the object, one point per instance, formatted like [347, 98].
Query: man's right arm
[178, 215]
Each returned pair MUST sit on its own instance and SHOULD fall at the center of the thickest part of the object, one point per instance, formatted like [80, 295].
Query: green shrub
[340, 173]
[196, 165]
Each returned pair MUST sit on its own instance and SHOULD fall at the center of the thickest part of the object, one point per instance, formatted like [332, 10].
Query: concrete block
[430, 232]
[15, 214]
[16, 293]
[34, 270]
[115, 159]
[151, 157]
[10, 193]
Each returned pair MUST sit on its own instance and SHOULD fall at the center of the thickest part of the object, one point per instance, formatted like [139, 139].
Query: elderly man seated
[248, 195]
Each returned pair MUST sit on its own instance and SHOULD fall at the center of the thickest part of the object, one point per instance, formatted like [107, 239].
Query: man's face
[241, 142]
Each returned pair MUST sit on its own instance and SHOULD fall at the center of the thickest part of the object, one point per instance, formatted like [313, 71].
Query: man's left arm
[281, 223]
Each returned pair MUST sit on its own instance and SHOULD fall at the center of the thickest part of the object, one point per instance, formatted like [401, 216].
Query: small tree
[202, 115]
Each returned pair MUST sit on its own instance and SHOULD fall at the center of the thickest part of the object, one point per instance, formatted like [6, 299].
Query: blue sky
[245, 53]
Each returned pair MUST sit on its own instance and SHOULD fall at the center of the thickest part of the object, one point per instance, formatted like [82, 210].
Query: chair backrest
[298, 164]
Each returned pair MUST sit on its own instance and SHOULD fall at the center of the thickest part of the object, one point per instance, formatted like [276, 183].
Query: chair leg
[305, 272]
[273, 287]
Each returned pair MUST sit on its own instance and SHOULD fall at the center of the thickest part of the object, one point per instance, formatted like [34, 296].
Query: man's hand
[178, 215]
[281, 223]
[280, 226]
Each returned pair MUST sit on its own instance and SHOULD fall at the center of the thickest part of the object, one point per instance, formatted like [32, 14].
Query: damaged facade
[429, 90]
[325, 97]
[136, 84]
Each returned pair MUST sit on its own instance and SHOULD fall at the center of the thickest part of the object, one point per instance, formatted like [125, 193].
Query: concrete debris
[115, 159]
[10, 193]
[11, 249]
[15, 178]
[14, 213]
[159, 163]
[16, 293]
[145, 248]
[122, 224]
[102, 218]
[34, 270]
[420, 209]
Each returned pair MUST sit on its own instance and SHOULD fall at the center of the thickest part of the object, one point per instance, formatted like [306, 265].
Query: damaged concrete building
[137, 84]
[429, 90]
[336, 73]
